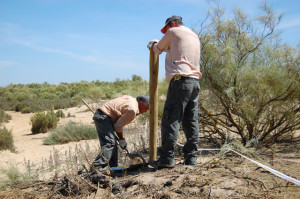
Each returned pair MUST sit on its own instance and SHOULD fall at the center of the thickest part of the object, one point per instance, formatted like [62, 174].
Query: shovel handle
[88, 106]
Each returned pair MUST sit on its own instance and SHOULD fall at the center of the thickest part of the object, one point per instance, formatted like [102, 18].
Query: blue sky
[58, 41]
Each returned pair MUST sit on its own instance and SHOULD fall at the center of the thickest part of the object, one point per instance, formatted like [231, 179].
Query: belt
[179, 77]
[100, 112]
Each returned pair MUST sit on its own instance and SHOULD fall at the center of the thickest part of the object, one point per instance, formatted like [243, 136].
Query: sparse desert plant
[13, 174]
[14, 177]
[60, 114]
[41, 122]
[235, 145]
[4, 117]
[59, 164]
[69, 133]
[6, 140]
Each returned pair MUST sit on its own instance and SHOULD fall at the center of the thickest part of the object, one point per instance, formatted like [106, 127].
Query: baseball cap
[173, 18]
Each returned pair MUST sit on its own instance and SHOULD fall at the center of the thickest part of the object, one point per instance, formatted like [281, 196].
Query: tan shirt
[183, 52]
[121, 110]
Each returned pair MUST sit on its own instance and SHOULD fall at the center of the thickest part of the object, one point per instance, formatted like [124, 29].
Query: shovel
[132, 156]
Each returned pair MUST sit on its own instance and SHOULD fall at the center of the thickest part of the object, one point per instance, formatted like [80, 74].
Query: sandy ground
[30, 147]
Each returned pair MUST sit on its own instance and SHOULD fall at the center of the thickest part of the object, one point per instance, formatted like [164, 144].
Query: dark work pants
[181, 106]
[108, 141]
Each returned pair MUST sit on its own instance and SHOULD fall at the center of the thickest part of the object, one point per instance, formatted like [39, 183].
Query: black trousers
[181, 107]
[108, 141]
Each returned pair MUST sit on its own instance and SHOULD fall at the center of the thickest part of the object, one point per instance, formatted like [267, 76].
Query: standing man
[182, 66]
[110, 117]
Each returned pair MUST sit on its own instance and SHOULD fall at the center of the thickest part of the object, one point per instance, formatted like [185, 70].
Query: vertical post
[153, 123]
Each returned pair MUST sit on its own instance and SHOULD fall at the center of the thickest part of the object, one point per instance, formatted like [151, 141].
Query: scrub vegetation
[71, 132]
[35, 97]
[6, 140]
[41, 122]
[4, 117]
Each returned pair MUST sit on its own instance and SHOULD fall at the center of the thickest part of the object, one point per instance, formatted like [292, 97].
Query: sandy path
[29, 146]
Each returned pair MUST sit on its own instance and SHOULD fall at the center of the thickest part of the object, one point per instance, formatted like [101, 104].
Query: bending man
[110, 117]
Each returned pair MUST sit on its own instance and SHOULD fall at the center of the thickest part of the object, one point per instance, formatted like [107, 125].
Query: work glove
[123, 144]
[151, 43]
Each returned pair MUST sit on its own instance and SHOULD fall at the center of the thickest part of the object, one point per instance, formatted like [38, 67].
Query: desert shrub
[41, 122]
[251, 80]
[32, 105]
[108, 92]
[96, 93]
[136, 78]
[19, 107]
[60, 114]
[4, 117]
[6, 140]
[136, 88]
[69, 133]
[40, 97]
[14, 177]
[27, 110]
[64, 103]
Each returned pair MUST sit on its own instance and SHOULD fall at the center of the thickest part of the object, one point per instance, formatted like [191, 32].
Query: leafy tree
[251, 85]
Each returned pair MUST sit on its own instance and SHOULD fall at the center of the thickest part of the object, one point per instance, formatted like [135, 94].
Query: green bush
[17, 178]
[26, 110]
[69, 133]
[41, 122]
[60, 114]
[4, 117]
[96, 93]
[6, 140]
[19, 107]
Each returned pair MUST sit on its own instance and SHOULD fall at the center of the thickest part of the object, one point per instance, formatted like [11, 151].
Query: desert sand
[29, 147]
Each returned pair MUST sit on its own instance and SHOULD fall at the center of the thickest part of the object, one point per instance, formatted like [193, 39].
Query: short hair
[144, 99]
